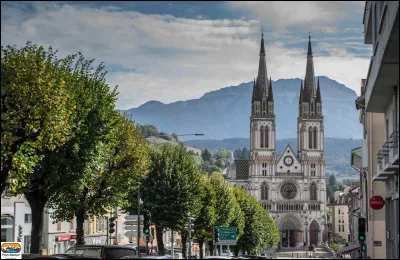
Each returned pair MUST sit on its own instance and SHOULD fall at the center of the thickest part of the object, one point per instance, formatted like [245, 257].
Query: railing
[380, 158]
[394, 143]
[289, 174]
[385, 151]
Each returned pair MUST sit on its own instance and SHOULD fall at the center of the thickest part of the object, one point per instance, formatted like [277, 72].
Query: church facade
[290, 186]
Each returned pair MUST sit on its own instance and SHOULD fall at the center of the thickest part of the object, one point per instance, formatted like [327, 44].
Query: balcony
[388, 158]
[384, 66]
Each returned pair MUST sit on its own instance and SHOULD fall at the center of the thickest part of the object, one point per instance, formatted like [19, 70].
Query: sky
[173, 51]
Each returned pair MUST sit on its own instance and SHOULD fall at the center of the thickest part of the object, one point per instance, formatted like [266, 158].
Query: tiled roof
[242, 169]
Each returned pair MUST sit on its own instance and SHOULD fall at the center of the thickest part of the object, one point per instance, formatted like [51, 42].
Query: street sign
[130, 223]
[227, 235]
[131, 233]
[133, 217]
[132, 228]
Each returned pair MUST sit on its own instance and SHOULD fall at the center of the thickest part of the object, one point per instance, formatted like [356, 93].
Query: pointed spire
[262, 49]
[270, 92]
[318, 99]
[262, 82]
[301, 92]
[254, 91]
[309, 80]
[309, 53]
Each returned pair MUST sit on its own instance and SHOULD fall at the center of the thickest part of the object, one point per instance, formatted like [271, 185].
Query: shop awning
[65, 238]
[349, 248]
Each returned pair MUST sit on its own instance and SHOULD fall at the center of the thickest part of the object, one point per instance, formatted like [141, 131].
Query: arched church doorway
[291, 234]
[314, 230]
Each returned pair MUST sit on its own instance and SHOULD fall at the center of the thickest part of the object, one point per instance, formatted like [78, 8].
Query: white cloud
[175, 58]
[315, 14]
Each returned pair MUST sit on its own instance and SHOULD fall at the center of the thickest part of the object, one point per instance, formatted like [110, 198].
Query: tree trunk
[160, 243]
[80, 220]
[201, 244]
[184, 237]
[37, 204]
[211, 246]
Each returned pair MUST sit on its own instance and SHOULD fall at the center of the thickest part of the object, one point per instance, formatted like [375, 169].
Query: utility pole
[138, 227]
[172, 244]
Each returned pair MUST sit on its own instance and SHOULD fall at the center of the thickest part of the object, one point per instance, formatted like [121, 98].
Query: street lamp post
[140, 202]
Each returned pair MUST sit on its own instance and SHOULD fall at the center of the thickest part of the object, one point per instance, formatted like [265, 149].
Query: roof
[309, 80]
[242, 169]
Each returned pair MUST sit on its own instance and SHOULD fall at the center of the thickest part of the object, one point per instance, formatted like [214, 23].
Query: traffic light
[190, 226]
[19, 239]
[146, 223]
[216, 235]
[111, 225]
[363, 248]
[361, 229]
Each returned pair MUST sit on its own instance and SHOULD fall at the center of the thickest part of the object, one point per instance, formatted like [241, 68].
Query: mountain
[225, 113]
[337, 151]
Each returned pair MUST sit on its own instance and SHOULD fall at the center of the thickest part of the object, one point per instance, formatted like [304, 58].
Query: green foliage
[335, 247]
[170, 192]
[206, 155]
[259, 229]
[224, 199]
[37, 111]
[332, 180]
[120, 166]
[241, 154]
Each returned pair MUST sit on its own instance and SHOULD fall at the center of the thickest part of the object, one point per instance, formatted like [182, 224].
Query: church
[290, 186]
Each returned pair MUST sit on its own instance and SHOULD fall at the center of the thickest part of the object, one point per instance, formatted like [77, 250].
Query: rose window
[289, 190]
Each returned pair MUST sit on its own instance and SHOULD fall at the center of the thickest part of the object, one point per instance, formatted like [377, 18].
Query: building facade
[16, 225]
[379, 102]
[291, 187]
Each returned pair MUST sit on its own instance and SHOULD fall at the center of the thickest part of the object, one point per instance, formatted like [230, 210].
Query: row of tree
[66, 148]
[176, 189]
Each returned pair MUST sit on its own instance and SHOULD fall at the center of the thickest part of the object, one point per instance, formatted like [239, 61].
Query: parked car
[101, 251]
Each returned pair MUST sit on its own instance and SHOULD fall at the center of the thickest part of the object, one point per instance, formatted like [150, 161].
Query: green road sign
[227, 235]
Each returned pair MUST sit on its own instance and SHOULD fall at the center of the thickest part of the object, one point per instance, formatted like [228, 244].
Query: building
[16, 224]
[339, 213]
[379, 107]
[290, 186]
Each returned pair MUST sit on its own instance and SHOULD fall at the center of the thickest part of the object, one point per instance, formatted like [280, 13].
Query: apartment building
[380, 116]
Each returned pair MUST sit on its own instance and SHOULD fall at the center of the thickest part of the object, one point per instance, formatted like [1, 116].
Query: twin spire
[262, 88]
[310, 90]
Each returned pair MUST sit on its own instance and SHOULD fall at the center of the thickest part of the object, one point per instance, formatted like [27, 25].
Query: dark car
[56, 256]
[101, 251]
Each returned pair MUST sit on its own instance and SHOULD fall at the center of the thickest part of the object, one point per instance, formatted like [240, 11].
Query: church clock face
[288, 160]
[288, 190]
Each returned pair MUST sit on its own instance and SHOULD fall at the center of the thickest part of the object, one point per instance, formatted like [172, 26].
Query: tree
[206, 155]
[170, 190]
[332, 180]
[207, 215]
[259, 229]
[92, 104]
[224, 201]
[121, 166]
[36, 109]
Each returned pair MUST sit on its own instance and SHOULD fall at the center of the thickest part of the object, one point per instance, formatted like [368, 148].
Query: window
[262, 137]
[313, 169]
[267, 137]
[28, 218]
[7, 229]
[264, 191]
[315, 137]
[310, 138]
[342, 228]
[313, 191]
[59, 223]
[264, 169]
[27, 244]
